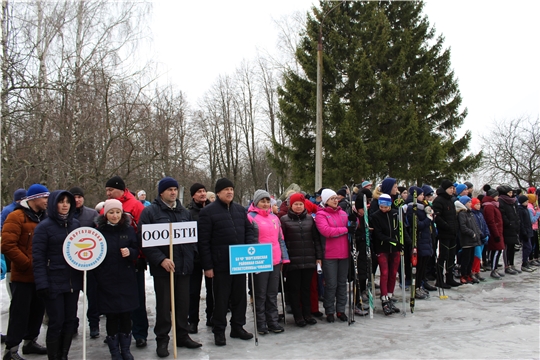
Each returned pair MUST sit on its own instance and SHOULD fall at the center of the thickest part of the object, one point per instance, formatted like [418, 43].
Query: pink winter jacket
[534, 217]
[268, 231]
[332, 224]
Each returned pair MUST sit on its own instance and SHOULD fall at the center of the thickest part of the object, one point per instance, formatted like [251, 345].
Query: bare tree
[511, 152]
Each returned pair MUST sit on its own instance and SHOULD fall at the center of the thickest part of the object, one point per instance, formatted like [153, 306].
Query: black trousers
[118, 323]
[195, 284]
[467, 257]
[25, 313]
[447, 255]
[138, 316]
[62, 312]
[162, 287]
[299, 283]
[228, 288]
[92, 313]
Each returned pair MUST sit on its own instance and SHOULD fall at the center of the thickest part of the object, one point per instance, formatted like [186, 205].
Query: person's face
[200, 196]
[212, 198]
[332, 201]
[275, 209]
[113, 193]
[79, 201]
[384, 208]
[404, 194]
[298, 207]
[429, 198]
[464, 192]
[226, 195]
[40, 204]
[264, 204]
[169, 195]
[477, 206]
[450, 190]
[63, 206]
[420, 197]
[142, 197]
[468, 205]
[114, 216]
[394, 190]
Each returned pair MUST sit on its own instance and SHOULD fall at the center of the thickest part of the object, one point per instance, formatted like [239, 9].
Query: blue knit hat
[385, 200]
[428, 190]
[464, 199]
[166, 183]
[37, 191]
[418, 190]
[19, 194]
[460, 188]
[387, 185]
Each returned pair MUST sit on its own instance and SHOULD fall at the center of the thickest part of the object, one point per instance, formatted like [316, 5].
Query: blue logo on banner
[253, 258]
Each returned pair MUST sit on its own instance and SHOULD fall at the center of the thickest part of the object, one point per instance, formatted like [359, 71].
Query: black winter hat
[196, 187]
[469, 184]
[492, 193]
[342, 192]
[165, 183]
[446, 184]
[116, 182]
[77, 191]
[504, 189]
[222, 184]
[522, 199]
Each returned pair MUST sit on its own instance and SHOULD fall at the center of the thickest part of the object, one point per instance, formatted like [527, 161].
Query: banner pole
[84, 316]
[173, 316]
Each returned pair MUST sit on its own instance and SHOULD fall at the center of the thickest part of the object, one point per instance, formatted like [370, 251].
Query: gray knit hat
[259, 195]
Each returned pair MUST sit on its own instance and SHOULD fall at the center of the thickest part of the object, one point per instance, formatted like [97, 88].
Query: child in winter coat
[478, 250]
[117, 299]
[470, 237]
[525, 232]
[267, 231]
[535, 215]
[387, 247]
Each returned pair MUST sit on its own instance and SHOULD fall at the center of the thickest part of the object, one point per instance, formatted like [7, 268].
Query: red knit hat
[475, 201]
[531, 190]
[296, 197]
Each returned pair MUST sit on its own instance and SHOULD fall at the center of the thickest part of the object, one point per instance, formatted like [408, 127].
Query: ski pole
[283, 297]
[254, 308]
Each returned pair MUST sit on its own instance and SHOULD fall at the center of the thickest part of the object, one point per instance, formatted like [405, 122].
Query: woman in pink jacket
[332, 223]
[267, 231]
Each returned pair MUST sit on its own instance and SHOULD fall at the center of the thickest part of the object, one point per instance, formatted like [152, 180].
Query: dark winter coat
[510, 217]
[360, 236]
[115, 276]
[221, 225]
[525, 230]
[195, 208]
[425, 228]
[470, 234]
[183, 254]
[494, 222]
[481, 222]
[302, 239]
[86, 216]
[17, 235]
[445, 216]
[385, 231]
[51, 271]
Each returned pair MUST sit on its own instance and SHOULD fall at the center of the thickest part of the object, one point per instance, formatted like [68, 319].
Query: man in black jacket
[446, 220]
[221, 224]
[166, 208]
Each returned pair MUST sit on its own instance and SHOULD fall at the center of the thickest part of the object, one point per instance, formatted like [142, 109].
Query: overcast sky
[494, 47]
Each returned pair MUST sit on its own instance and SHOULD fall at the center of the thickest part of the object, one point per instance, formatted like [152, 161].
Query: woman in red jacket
[495, 224]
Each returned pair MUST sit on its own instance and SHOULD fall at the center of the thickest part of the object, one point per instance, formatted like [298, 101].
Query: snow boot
[125, 342]
[387, 307]
[494, 274]
[450, 281]
[12, 354]
[114, 347]
[67, 337]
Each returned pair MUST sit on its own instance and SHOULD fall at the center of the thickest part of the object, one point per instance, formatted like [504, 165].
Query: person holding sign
[267, 230]
[166, 208]
[115, 277]
[221, 224]
[56, 281]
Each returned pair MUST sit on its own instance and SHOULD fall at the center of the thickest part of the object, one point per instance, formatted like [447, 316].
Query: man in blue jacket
[221, 224]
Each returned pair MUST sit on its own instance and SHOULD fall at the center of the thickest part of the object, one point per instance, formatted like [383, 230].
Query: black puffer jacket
[508, 209]
[445, 215]
[302, 239]
[525, 230]
[470, 234]
[183, 255]
[115, 276]
[221, 225]
[386, 231]
[424, 242]
[51, 271]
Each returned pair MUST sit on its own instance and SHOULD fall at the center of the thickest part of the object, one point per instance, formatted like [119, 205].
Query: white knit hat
[327, 194]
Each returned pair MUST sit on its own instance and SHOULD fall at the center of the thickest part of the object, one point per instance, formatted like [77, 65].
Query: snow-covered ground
[491, 320]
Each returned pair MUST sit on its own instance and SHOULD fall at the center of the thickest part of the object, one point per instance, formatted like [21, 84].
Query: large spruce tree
[391, 101]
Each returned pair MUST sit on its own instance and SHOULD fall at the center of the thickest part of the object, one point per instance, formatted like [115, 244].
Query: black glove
[352, 217]
[140, 265]
[43, 293]
[398, 247]
[352, 229]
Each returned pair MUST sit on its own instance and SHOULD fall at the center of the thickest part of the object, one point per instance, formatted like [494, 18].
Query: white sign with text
[160, 234]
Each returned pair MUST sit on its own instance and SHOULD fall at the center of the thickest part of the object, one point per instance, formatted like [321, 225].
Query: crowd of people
[318, 243]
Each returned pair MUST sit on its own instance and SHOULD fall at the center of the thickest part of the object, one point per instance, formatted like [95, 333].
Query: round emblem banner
[84, 248]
